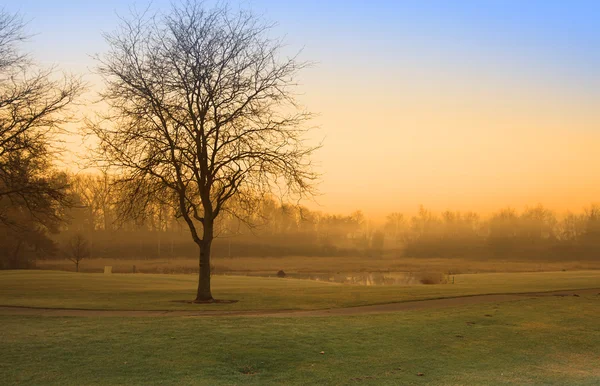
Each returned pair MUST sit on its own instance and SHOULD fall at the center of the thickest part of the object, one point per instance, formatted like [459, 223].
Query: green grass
[158, 292]
[322, 264]
[551, 340]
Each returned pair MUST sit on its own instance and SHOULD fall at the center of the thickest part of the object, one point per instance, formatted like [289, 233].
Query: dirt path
[360, 310]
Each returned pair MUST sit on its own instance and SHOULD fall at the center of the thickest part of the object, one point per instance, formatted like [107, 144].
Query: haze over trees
[202, 113]
[275, 229]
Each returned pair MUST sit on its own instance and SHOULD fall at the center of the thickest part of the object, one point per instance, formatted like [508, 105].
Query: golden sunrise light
[261, 192]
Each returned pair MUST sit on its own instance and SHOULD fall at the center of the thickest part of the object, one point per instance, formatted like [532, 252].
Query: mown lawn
[159, 292]
[550, 340]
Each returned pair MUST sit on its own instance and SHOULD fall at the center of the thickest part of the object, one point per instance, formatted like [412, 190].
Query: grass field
[152, 292]
[303, 264]
[547, 340]
[544, 341]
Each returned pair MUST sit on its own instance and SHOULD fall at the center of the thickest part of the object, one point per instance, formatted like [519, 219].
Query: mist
[210, 192]
[277, 234]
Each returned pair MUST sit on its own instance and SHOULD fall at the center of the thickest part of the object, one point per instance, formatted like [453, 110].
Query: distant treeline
[284, 230]
[535, 233]
[279, 229]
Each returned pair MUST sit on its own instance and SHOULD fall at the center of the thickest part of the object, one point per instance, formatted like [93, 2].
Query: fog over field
[265, 192]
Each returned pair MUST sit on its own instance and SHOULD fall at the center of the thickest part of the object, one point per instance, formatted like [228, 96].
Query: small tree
[78, 249]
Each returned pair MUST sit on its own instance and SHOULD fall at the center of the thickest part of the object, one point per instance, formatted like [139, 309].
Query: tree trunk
[77, 267]
[204, 293]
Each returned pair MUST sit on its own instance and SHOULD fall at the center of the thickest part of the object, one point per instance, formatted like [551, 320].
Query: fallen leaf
[420, 374]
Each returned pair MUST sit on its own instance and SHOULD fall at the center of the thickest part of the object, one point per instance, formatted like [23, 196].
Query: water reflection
[376, 278]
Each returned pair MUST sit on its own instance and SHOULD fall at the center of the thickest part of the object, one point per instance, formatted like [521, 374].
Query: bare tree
[78, 249]
[94, 193]
[32, 107]
[201, 111]
[33, 102]
[394, 224]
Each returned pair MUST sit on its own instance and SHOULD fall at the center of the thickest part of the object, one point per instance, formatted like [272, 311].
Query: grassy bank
[141, 291]
[303, 264]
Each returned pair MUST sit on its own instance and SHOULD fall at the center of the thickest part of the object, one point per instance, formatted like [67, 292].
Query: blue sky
[564, 35]
[473, 92]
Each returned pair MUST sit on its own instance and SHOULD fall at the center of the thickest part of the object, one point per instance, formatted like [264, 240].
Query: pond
[371, 278]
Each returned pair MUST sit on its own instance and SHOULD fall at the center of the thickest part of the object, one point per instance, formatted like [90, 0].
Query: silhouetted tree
[94, 194]
[32, 109]
[77, 249]
[537, 223]
[571, 228]
[394, 226]
[201, 110]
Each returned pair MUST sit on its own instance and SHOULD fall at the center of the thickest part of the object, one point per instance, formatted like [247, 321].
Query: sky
[465, 105]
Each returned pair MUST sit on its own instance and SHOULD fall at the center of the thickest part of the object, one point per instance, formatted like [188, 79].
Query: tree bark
[204, 294]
